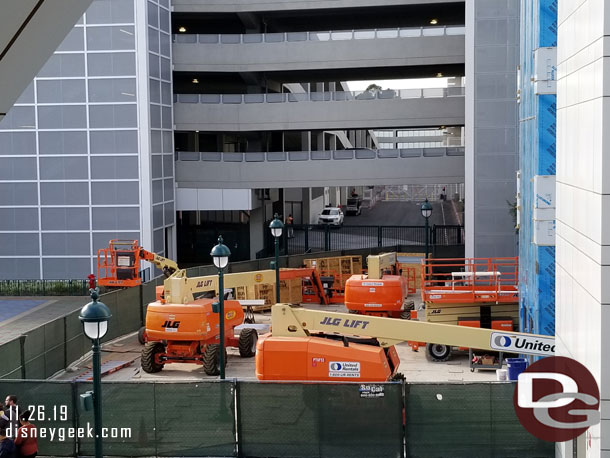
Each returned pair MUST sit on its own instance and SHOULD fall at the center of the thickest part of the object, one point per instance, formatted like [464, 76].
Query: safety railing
[278, 156]
[470, 280]
[330, 35]
[313, 238]
[328, 96]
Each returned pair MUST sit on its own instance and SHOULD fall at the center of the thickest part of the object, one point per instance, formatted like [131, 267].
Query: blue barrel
[515, 367]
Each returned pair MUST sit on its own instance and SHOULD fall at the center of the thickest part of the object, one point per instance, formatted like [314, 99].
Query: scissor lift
[474, 292]
[470, 280]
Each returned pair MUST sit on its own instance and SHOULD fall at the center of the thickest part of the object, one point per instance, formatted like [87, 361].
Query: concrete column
[306, 141]
[256, 231]
[491, 127]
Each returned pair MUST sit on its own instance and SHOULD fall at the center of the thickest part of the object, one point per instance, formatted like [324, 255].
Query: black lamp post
[220, 255]
[426, 211]
[95, 316]
[276, 227]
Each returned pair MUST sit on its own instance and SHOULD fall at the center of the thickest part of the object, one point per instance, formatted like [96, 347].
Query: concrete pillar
[256, 231]
[491, 128]
[306, 141]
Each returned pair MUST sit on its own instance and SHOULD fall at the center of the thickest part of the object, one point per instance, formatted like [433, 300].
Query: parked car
[354, 205]
[331, 215]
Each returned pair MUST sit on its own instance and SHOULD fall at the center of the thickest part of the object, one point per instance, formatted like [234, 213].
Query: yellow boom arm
[167, 266]
[289, 322]
[378, 263]
[179, 289]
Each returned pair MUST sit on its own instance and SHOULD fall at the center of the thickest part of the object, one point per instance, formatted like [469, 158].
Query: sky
[399, 84]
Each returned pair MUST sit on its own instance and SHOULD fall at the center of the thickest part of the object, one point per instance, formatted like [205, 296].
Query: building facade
[87, 150]
[583, 204]
[167, 124]
[537, 166]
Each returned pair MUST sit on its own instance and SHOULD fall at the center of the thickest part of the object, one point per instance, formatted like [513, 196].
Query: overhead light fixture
[195, 81]
[182, 29]
[439, 75]
[433, 21]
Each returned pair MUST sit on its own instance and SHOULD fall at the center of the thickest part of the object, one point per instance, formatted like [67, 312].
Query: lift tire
[211, 359]
[405, 315]
[353, 312]
[142, 335]
[398, 377]
[247, 342]
[438, 353]
[147, 360]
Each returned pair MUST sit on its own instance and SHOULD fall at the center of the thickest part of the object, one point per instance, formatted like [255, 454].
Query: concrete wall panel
[308, 55]
[353, 114]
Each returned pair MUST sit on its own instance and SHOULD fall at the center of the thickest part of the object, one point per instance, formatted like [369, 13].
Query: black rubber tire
[142, 335]
[147, 360]
[405, 315]
[353, 312]
[437, 352]
[211, 359]
[247, 342]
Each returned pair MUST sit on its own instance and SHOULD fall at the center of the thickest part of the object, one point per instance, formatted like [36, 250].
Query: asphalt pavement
[361, 231]
[403, 213]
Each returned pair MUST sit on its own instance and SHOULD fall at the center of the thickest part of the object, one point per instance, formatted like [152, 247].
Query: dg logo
[556, 399]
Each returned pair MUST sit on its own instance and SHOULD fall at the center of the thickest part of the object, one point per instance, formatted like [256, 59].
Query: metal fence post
[379, 236]
[306, 238]
[65, 320]
[22, 355]
[327, 238]
[238, 414]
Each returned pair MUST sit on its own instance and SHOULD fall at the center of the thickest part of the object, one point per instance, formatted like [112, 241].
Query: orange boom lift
[182, 325]
[339, 347]
[380, 292]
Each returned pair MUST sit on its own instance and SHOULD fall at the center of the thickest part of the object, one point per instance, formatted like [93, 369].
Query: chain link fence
[42, 352]
[245, 418]
[293, 420]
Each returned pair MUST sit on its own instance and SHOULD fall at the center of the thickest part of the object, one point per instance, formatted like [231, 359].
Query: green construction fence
[294, 420]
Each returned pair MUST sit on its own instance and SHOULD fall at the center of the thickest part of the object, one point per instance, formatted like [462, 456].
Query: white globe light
[221, 261]
[95, 330]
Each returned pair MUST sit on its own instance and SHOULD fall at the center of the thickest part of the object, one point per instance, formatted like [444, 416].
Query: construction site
[304, 229]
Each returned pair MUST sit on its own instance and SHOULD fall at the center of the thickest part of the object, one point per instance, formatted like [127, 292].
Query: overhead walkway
[320, 110]
[290, 51]
[296, 169]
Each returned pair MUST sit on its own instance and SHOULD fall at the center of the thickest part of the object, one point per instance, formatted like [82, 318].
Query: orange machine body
[324, 359]
[379, 297]
[499, 324]
[188, 328]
